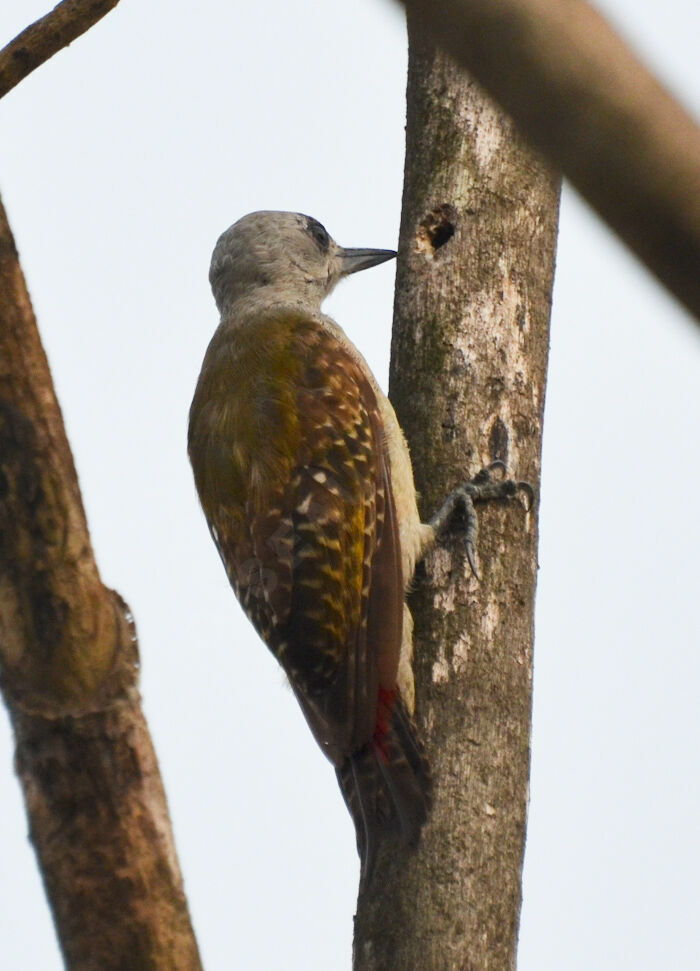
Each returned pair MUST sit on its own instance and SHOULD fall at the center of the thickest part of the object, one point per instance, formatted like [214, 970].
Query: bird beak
[354, 260]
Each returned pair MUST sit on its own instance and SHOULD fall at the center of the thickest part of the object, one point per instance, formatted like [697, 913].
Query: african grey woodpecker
[306, 483]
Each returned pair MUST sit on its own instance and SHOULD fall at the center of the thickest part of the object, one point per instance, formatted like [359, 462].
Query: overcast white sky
[122, 160]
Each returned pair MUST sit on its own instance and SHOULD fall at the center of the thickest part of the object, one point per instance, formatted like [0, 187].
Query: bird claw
[483, 487]
[529, 492]
[484, 475]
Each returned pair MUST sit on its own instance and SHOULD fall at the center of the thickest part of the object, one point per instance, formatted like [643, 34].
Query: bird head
[282, 256]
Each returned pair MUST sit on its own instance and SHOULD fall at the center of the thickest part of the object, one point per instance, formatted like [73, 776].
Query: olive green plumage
[286, 450]
[290, 449]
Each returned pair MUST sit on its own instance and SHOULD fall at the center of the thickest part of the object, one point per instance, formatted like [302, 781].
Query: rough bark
[68, 668]
[578, 92]
[475, 273]
[44, 38]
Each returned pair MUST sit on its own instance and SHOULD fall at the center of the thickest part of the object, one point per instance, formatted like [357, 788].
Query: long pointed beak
[354, 260]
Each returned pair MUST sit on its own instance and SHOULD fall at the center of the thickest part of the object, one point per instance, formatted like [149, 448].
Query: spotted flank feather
[293, 475]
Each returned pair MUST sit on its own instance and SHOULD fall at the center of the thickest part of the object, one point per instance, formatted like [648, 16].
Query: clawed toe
[529, 492]
[483, 487]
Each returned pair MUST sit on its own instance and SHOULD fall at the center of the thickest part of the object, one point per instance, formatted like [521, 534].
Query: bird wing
[344, 627]
[310, 539]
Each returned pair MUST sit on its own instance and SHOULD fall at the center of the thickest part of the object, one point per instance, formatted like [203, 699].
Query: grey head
[282, 257]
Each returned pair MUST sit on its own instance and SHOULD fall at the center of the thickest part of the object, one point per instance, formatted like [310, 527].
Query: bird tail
[386, 784]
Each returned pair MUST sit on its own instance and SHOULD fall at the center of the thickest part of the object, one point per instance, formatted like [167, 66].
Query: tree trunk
[473, 299]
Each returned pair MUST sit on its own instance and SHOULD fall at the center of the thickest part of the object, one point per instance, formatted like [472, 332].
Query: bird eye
[319, 234]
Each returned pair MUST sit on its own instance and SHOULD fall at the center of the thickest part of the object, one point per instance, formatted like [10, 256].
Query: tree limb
[469, 354]
[44, 38]
[68, 669]
[582, 97]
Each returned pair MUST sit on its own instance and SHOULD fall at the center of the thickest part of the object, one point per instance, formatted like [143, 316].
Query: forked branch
[581, 96]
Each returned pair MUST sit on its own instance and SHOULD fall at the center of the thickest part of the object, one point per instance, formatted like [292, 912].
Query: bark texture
[582, 97]
[475, 273]
[68, 668]
[44, 38]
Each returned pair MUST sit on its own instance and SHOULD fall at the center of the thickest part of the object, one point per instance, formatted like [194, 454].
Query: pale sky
[122, 160]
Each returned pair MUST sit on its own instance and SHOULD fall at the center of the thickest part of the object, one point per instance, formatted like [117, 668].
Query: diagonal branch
[583, 98]
[68, 669]
[44, 38]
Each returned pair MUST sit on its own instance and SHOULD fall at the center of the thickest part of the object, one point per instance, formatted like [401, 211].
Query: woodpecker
[306, 483]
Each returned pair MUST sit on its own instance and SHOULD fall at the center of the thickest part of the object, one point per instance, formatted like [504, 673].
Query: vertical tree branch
[68, 668]
[475, 273]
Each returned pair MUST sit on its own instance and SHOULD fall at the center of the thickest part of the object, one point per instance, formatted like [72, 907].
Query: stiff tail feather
[386, 784]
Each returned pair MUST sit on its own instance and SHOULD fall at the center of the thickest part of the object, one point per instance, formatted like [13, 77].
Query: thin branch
[68, 669]
[584, 99]
[44, 38]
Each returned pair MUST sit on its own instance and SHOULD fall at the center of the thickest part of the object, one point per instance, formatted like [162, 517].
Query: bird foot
[484, 487]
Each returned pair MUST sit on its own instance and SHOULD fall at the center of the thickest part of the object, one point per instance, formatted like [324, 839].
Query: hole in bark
[443, 232]
[437, 228]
